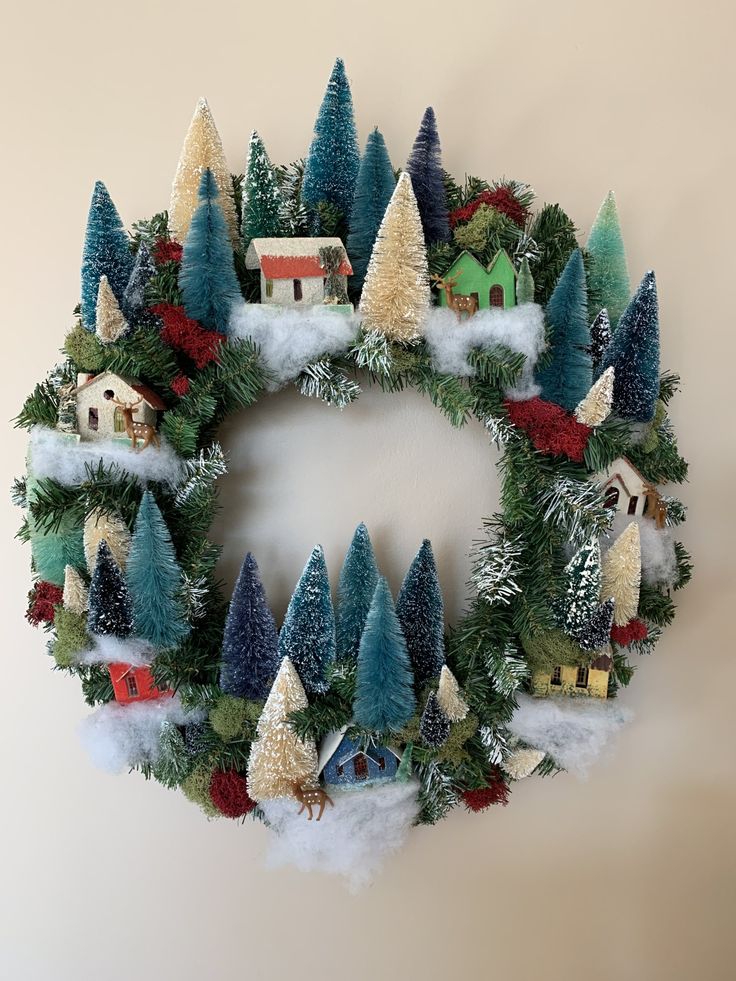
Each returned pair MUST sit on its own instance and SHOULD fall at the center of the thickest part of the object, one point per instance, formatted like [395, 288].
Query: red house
[132, 684]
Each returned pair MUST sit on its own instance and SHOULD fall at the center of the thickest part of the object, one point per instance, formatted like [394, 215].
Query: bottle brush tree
[110, 611]
[154, 579]
[596, 633]
[434, 726]
[396, 293]
[582, 588]
[448, 695]
[597, 404]
[250, 657]
[111, 325]
[307, 636]
[134, 297]
[608, 278]
[107, 526]
[331, 169]
[356, 586]
[420, 611]
[621, 577]
[262, 200]
[373, 190]
[53, 550]
[106, 253]
[279, 760]
[634, 355]
[567, 375]
[525, 283]
[207, 278]
[202, 150]
[600, 338]
[384, 696]
[425, 169]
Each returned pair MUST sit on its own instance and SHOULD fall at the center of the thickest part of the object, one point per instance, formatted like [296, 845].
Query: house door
[633, 501]
[119, 424]
[360, 767]
[496, 296]
[297, 290]
[93, 419]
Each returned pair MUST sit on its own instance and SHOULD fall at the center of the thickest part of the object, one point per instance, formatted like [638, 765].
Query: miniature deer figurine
[461, 303]
[310, 797]
[134, 430]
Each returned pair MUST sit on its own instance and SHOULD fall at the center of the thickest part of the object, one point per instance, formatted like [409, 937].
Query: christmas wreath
[330, 274]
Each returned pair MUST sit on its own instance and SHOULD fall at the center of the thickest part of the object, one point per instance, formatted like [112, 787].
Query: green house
[494, 286]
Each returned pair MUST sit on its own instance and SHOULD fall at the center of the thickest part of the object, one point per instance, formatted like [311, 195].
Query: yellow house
[575, 679]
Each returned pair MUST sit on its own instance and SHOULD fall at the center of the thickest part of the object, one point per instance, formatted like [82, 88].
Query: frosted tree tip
[202, 105]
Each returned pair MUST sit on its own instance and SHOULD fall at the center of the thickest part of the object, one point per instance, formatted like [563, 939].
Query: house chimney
[82, 378]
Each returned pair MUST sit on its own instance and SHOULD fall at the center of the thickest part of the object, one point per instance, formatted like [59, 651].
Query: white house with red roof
[292, 274]
[97, 415]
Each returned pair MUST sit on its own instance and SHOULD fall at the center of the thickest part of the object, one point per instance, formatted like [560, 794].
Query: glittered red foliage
[180, 385]
[229, 794]
[187, 336]
[495, 792]
[166, 251]
[41, 602]
[550, 428]
[629, 633]
[501, 198]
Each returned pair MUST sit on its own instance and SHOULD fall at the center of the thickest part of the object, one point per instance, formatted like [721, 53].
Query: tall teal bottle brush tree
[373, 191]
[356, 586]
[609, 275]
[567, 376]
[262, 200]
[106, 253]
[331, 169]
[384, 693]
[154, 579]
[307, 636]
[207, 278]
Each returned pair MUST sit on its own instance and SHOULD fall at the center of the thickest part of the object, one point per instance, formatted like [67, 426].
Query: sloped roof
[147, 394]
[486, 269]
[334, 740]
[611, 473]
[292, 258]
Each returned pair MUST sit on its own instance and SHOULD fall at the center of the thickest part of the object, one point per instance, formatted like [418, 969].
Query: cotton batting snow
[519, 328]
[289, 339]
[65, 460]
[658, 557]
[573, 731]
[117, 650]
[120, 736]
[353, 839]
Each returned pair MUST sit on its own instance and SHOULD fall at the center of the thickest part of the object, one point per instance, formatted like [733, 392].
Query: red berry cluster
[550, 428]
[166, 251]
[187, 336]
[42, 599]
[180, 385]
[495, 792]
[501, 198]
[229, 794]
[629, 633]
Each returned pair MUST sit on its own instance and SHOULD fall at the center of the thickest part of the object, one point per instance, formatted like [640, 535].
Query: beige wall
[626, 876]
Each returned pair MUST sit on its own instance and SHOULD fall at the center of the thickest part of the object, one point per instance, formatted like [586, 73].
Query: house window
[381, 763]
[340, 769]
[582, 679]
[496, 296]
[93, 419]
[360, 767]
[556, 678]
[611, 498]
[119, 421]
[269, 289]
[297, 290]
[131, 685]
[633, 501]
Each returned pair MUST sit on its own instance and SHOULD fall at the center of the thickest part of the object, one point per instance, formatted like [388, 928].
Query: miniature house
[292, 274]
[626, 490]
[134, 684]
[97, 415]
[343, 763]
[492, 286]
[575, 679]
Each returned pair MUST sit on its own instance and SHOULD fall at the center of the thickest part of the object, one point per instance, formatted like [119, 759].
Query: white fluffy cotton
[519, 328]
[658, 557]
[116, 650]
[53, 455]
[289, 338]
[353, 839]
[574, 731]
[119, 736]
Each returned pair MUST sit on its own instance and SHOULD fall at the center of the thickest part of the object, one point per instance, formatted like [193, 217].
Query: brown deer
[461, 303]
[134, 430]
[310, 797]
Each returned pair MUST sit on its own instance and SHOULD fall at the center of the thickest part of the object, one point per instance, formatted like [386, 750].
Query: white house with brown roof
[626, 490]
[292, 273]
[97, 415]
